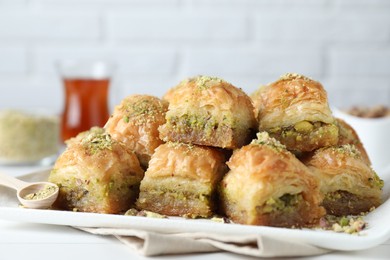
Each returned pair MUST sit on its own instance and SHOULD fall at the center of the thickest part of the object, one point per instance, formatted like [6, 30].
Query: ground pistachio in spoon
[43, 193]
[35, 195]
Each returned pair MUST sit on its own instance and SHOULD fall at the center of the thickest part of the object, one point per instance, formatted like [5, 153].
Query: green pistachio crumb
[348, 149]
[376, 181]
[41, 194]
[344, 221]
[291, 76]
[203, 82]
[97, 140]
[142, 110]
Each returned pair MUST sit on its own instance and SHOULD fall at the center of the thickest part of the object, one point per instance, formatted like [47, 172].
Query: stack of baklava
[277, 158]
[205, 116]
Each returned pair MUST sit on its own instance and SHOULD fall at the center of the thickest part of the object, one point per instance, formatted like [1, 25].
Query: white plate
[377, 232]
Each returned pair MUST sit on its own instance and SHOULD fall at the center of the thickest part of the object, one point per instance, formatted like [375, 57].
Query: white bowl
[28, 137]
[374, 133]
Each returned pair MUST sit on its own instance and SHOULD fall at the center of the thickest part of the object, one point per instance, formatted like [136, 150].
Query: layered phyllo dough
[96, 174]
[295, 111]
[349, 185]
[182, 180]
[135, 122]
[172, 92]
[267, 185]
[257, 99]
[303, 164]
[209, 111]
[348, 135]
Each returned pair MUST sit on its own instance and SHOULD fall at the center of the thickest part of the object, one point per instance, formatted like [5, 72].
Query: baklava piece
[135, 122]
[96, 130]
[96, 174]
[182, 180]
[257, 100]
[295, 111]
[267, 185]
[348, 135]
[209, 111]
[348, 184]
[172, 92]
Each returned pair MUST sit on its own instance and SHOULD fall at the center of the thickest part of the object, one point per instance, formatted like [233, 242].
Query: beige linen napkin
[153, 244]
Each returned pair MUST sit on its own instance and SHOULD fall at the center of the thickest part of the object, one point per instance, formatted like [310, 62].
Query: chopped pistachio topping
[140, 107]
[97, 140]
[376, 181]
[142, 110]
[42, 193]
[345, 224]
[348, 149]
[291, 76]
[263, 138]
[203, 82]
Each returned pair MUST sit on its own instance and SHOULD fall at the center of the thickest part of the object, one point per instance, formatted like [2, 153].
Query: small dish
[28, 137]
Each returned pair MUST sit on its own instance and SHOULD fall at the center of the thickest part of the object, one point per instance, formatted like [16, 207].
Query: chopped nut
[346, 224]
[303, 127]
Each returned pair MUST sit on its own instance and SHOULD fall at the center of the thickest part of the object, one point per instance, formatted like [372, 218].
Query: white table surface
[38, 241]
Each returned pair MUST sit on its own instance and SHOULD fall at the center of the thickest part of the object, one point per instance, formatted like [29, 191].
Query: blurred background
[345, 44]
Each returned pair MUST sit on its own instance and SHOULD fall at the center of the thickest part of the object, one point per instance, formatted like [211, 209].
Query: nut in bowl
[373, 126]
[28, 137]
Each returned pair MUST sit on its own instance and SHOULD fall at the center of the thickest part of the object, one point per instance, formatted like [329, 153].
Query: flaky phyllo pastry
[348, 135]
[208, 111]
[135, 122]
[182, 180]
[96, 174]
[268, 185]
[295, 111]
[349, 185]
[303, 164]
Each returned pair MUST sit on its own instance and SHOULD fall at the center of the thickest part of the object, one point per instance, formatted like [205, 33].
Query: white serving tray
[377, 232]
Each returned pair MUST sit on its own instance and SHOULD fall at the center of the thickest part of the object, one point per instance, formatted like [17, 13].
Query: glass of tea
[86, 88]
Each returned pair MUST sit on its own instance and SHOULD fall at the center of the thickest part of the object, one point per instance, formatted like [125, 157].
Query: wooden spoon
[25, 188]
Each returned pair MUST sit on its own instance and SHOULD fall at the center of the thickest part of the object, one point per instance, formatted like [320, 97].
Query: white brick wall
[369, 61]
[177, 25]
[155, 43]
[40, 26]
[13, 60]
